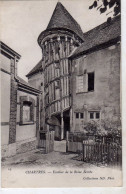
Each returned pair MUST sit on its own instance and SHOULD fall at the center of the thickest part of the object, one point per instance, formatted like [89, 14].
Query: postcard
[61, 112]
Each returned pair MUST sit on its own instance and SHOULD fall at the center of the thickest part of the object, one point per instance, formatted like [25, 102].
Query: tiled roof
[61, 18]
[99, 35]
[36, 69]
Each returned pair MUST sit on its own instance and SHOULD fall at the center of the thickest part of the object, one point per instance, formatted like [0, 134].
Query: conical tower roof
[61, 18]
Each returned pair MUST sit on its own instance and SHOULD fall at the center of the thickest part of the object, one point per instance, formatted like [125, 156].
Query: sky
[22, 22]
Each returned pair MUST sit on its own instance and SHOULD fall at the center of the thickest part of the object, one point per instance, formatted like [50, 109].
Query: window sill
[27, 123]
[84, 92]
[94, 119]
[90, 91]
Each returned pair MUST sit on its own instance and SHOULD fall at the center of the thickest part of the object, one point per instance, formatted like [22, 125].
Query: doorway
[66, 118]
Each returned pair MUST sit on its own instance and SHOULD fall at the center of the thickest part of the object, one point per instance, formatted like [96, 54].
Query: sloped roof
[36, 69]
[99, 35]
[61, 18]
[22, 81]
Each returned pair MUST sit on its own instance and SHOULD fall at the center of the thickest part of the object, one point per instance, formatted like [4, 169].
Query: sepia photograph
[61, 113]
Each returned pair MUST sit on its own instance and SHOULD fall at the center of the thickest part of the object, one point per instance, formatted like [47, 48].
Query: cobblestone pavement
[38, 158]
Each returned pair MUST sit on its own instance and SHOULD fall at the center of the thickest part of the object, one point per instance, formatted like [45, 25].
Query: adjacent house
[20, 104]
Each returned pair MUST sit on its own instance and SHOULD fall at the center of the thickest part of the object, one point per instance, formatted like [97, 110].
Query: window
[97, 115]
[85, 82]
[94, 115]
[57, 93]
[56, 72]
[81, 115]
[57, 84]
[56, 65]
[26, 110]
[90, 81]
[47, 99]
[91, 115]
[77, 115]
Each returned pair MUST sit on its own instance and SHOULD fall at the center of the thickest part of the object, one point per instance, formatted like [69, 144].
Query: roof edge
[35, 72]
[96, 47]
[118, 17]
[22, 84]
[9, 50]
[56, 28]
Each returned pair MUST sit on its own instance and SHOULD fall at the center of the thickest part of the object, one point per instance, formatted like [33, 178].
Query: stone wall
[26, 145]
[105, 64]
[18, 147]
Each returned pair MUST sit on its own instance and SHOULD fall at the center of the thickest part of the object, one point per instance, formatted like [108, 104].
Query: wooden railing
[102, 153]
[103, 150]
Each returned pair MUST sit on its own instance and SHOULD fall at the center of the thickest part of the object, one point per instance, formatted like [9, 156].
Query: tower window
[57, 84]
[90, 81]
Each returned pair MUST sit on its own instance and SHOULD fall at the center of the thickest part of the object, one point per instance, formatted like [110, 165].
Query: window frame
[31, 101]
[84, 83]
[94, 115]
[27, 104]
[79, 115]
[88, 81]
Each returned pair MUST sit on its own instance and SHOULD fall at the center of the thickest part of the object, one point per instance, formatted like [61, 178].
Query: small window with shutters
[79, 84]
[85, 82]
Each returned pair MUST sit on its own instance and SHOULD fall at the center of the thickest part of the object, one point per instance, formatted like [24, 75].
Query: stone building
[20, 106]
[95, 80]
[79, 72]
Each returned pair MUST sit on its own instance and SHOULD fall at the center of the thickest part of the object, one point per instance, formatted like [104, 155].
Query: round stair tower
[57, 42]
